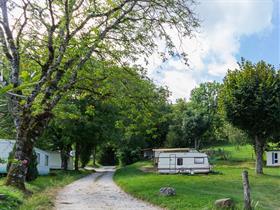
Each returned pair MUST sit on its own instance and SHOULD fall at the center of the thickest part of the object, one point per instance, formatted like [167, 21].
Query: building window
[179, 161]
[46, 160]
[274, 157]
[198, 160]
[38, 158]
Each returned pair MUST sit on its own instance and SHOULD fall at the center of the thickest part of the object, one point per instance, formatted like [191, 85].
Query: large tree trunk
[77, 156]
[94, 156]
[23, 151]
[64, 160]
[29, 129]
[65, 155]
[196, 144]
[259, 147]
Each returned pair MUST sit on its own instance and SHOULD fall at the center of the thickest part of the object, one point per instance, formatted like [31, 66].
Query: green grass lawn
[200, 191]
[44, 190]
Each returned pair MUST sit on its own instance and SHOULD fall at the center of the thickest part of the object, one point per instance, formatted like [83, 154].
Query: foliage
[216, 154]
[7, 130]
[107, 155]
[175, 133]
[2, 161]
[127, 155]
[235, 136]
[250, 99]
[196, 123]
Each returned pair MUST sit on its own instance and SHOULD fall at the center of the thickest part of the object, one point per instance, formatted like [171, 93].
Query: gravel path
[98, 191]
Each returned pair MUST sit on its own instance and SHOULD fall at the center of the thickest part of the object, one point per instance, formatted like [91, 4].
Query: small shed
[181, 160]
[273, 158]
[56, 163]
[6, 146]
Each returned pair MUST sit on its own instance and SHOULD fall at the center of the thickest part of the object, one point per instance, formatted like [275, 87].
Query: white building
[181, 160]
[55, 161]
[273, 158]
[6, 146]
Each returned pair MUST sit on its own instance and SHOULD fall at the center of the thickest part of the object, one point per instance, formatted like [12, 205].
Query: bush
[217, 154]
[127, 156]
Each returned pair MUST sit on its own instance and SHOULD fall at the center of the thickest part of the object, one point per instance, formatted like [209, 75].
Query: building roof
[173, 150]
[273, 150]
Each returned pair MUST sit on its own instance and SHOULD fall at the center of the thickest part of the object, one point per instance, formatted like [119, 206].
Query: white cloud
[213, 50]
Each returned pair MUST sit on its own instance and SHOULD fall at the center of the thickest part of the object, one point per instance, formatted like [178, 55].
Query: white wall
[6, 146]
[43, 165]
[269, 158]
[55, 161]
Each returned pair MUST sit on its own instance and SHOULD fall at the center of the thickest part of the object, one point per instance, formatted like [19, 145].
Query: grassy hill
[200, 191]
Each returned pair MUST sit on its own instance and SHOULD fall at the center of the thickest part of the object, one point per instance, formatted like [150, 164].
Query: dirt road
[98, 191]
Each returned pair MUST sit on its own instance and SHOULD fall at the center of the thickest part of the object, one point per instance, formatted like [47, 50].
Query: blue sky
[264, 45]
[230, 29]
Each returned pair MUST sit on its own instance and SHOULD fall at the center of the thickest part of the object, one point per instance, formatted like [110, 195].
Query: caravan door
[172, 163]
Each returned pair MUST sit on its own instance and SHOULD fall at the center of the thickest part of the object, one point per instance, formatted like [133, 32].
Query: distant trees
[197, 122]
[250, 99]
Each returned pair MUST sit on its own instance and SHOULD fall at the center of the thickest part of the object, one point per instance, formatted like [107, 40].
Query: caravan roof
[174, 150]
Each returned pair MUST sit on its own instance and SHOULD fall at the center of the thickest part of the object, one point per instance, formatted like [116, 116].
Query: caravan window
[274, 157]
[179, 161]
[199, 160]
[46, 160]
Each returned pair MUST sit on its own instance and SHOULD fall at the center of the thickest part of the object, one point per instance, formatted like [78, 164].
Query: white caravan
[6, 146]
[273, 158]
[182, 160]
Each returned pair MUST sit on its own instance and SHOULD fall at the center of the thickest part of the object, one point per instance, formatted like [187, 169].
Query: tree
[250, 98]
[195, 124]
[175, 131]
[47, 44]
[204, 99]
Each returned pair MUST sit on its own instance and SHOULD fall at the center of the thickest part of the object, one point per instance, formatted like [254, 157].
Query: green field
[200, 191]
[44, 190]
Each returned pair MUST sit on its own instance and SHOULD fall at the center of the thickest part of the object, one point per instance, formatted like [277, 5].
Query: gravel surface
[98, 191]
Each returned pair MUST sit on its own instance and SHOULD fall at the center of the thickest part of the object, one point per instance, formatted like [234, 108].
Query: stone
[224, 203]
[2, 197]
[167, 191]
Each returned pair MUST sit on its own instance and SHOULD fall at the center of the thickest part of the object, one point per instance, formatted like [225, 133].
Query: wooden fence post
[246, 188]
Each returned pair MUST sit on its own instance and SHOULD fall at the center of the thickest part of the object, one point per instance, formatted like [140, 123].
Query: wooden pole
[246, 188]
